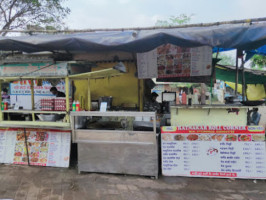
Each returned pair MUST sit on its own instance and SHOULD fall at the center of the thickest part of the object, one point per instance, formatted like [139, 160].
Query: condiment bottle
[77, 106]
[74, 106]
[5, 106]
[184, 98]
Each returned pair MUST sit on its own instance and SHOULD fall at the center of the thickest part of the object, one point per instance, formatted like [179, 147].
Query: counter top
[213, 106]
[36, 124]
[33, 111]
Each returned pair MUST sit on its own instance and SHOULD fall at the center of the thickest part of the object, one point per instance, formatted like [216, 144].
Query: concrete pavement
[46, 183]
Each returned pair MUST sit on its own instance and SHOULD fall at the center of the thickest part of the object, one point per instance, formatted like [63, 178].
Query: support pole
[67, 99]
[236, 84]
[32, 98]
[89, 96]
[243, 80]
[1, 113]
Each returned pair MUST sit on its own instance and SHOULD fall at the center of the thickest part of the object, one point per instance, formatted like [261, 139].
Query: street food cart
[29, 140]
[43, 137]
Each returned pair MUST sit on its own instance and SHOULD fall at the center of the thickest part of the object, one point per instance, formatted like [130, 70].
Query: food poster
[45, 147]
[214, 151]
[174, 61]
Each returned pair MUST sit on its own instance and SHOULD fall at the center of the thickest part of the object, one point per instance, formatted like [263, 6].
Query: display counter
[108, 143]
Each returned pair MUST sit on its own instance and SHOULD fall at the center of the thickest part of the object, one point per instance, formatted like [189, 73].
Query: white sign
[169, 61]
[221, 152]
[103, 107]
[20, 92]
[45, 147]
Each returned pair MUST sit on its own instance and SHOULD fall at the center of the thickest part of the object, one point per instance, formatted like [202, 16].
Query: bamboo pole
[139, 28]
[32, 98]
[89, 96]
[236, 78]
[67, 99]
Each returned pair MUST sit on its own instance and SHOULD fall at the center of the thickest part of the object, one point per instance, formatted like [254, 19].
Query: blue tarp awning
[242, 36]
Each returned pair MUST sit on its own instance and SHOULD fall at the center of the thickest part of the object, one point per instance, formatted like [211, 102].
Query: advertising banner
[214, 151]
[45, 147]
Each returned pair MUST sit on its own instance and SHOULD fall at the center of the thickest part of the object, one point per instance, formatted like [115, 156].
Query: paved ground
[23, 182]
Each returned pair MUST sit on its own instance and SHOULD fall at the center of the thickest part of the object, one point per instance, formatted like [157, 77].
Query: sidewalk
[24, 182]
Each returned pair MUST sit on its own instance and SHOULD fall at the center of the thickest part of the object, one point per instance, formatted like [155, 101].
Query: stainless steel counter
[117, 151]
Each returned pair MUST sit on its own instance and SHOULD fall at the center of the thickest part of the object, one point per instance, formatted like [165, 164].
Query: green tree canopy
[174, 20]
[258, 61]
[16, 14]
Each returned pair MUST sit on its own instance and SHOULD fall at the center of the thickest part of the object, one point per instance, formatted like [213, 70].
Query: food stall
[28, 140]
[43, 137]
[204, 139]
[183, 54]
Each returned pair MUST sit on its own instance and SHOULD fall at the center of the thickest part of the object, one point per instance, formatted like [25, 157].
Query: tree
[258, 61]
[225, 59]
[16, 14]
[174, 20]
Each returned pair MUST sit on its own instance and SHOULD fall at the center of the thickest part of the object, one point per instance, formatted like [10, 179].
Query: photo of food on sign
[244, 138]
[167, 137]
[231, 138]
[180, 137]
[258, 137]
[173, 61]
[41, 136]
[192, 137]
[217, 137]
[21, 135]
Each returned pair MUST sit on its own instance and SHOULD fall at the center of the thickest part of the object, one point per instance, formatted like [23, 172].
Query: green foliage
[258, 61]
[225, 59]
[174, 20]
[16, 14]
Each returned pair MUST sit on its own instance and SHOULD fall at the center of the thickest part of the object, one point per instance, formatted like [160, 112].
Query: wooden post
[236, 83]
[67, 99]
[1, 113]
[32, 98]
[89, 96]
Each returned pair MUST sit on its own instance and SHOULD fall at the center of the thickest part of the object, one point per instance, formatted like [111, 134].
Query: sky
[93, 14]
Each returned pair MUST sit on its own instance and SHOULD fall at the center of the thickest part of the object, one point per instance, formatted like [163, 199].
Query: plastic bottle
[5, 106]
[2, 105]
[74, 106]
[77, 106]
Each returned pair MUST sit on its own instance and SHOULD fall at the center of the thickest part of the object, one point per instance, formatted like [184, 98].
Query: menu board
[45, 147]
[147, 64]
[214, 151]
[169, 61]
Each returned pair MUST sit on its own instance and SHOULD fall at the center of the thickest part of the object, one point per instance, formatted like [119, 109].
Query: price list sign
[45, 147]
[214, 151]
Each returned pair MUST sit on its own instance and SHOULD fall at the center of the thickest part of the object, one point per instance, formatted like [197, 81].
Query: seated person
[57, 93]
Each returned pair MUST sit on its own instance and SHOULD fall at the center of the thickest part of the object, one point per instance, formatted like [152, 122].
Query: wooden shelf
[34, 111]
